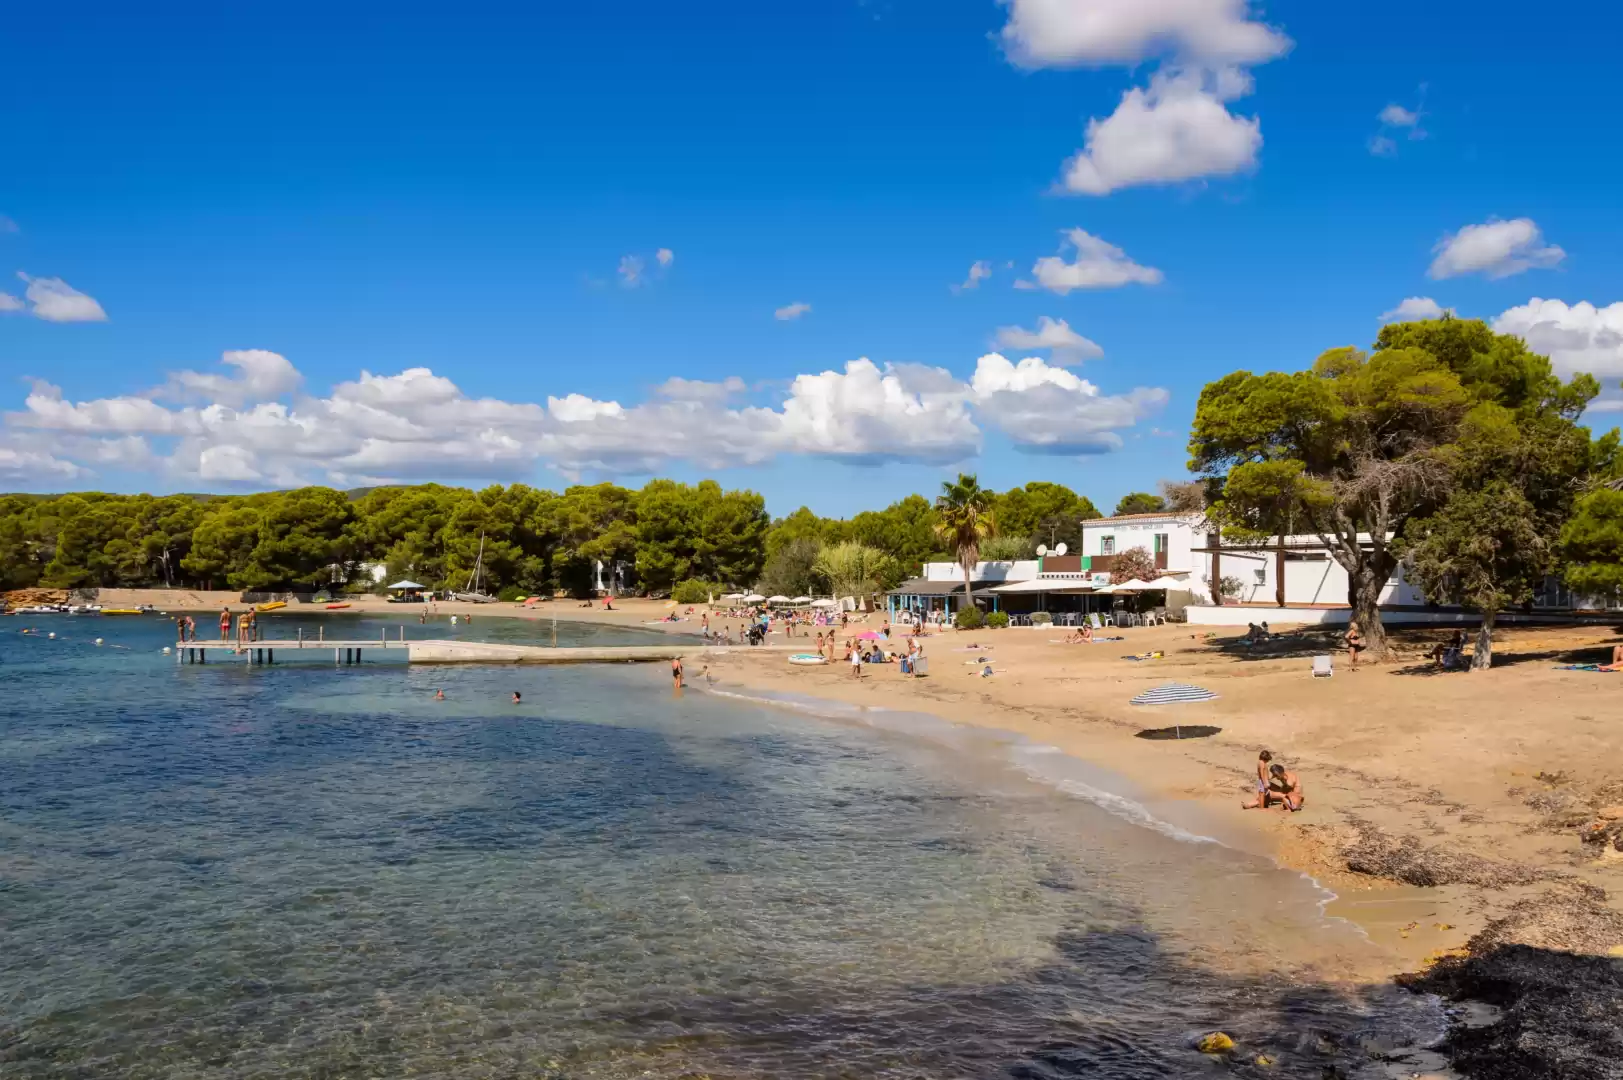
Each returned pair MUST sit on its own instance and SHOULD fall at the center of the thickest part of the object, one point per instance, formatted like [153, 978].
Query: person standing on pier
[225, 623]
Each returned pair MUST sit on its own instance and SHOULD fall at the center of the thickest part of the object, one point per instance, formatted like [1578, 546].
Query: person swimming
[439, 695]
[518, 698]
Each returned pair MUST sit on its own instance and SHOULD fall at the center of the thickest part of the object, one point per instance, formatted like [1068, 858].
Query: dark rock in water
[1402, 858]
[1562, 1012]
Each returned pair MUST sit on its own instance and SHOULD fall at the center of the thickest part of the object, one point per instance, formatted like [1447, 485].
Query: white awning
[1135, 585]
[1171, 584]
[1045, 585]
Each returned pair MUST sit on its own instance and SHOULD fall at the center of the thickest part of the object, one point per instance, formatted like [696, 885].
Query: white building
[1283, 579]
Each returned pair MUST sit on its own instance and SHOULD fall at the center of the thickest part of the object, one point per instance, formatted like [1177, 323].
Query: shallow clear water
[307, 871]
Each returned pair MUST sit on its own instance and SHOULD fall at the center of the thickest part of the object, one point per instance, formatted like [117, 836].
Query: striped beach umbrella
[1173, 693]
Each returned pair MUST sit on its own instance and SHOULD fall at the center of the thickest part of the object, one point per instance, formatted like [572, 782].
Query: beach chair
[1321, 666]
[1093, 619]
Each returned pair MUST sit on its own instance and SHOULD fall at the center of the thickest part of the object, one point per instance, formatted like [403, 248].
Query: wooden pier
[444, 651]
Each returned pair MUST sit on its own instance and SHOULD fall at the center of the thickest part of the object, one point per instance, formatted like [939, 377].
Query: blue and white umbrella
[1173, 693]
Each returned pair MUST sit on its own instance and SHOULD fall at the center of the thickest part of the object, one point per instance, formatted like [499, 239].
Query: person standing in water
[676, 672]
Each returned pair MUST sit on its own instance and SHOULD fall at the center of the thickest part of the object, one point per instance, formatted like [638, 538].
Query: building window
[1107, 545]
[1160, 543]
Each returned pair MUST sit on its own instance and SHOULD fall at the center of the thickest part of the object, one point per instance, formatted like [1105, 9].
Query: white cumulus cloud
[1494, 248]
[1395, 115]
[1576, 337]
[1054, 334]
[664, 256]
[1049, 410]
[54, 300]
[1176, 129]
[792, 311]
[630, 270]
[1051, 33]
[9, 302]
[979, 271]
[256, 425]
[262, 375]
[1415, 307]
[1098, 265]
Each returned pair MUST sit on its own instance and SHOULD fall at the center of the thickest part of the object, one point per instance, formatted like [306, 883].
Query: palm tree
[965, 510]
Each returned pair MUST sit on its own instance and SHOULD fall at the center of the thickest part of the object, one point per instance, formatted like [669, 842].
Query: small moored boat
[806, 659]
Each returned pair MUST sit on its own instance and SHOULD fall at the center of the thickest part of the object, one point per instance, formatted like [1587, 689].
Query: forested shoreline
[535, 541]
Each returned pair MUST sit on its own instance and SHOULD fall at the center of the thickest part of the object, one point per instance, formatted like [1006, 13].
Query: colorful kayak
[122, 611]
[274, 605]
[335, 607]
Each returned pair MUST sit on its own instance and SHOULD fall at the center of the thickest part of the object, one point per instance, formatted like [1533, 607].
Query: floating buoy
[52, 634]
[1215, 1043]
[166, 650]
[98, 641]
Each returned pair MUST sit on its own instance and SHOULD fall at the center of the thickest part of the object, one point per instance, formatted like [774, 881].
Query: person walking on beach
[856, 663]
[225, 623]
[1355, 643]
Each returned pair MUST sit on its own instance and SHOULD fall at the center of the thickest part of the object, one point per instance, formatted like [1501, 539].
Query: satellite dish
[1060, 550]
[1042, 549]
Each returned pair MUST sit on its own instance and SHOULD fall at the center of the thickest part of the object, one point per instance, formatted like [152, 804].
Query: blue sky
[313, 194]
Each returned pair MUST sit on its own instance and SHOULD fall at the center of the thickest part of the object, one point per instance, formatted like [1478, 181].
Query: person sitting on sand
[1284, 789]
[1447, 656]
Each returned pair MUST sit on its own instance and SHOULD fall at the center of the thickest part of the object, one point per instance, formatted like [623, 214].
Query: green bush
[695, 591]
[997, 620]
[510, 593]
[969, 618]
[1041, 618]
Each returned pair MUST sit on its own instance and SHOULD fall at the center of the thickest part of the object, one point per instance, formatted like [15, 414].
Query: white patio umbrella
[777, 599]
[406, 585]
[1171, 584]
[753, 598]
[801, 600]
[1134, 585]
[825, 602]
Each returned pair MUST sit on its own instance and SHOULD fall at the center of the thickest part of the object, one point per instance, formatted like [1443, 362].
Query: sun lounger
[1093, 620]
[1321, 666]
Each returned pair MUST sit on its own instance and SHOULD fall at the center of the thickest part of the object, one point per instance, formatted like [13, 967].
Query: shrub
[1041, 618]
[695, 591]
[997, 620]
[969, 618]
[511, 593]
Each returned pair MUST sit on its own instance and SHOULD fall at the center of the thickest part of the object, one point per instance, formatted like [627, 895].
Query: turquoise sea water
[217, 871]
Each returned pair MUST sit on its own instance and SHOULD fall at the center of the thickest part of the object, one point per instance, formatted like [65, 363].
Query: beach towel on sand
[1145, 656]
[1605, 669]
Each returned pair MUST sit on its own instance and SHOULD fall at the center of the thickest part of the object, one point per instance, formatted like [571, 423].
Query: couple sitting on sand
[1276, 786]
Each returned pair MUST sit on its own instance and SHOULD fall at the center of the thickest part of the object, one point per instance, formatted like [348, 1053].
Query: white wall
[1020, 570]
[1131, 533]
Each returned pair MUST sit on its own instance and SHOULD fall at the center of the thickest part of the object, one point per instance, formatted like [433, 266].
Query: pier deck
[444, 651]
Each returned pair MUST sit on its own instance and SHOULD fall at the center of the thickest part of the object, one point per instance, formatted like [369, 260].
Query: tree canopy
[1140, 502]
[1358, 446]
